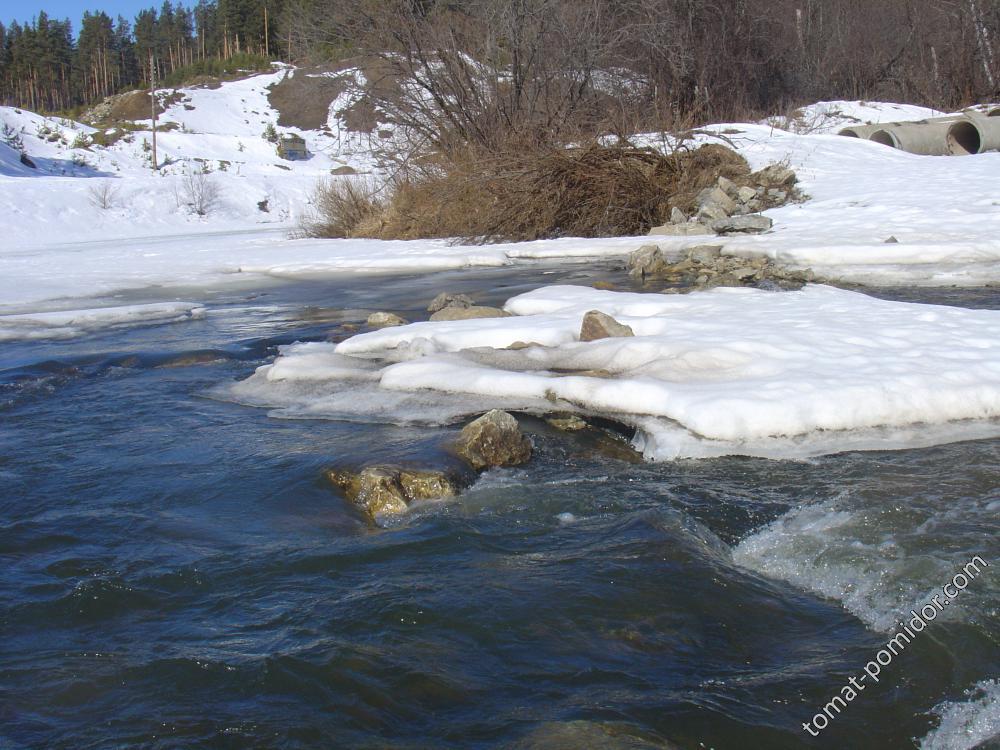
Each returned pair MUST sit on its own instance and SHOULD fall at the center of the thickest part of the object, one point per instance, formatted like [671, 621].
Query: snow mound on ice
[728, 371]
[65, 324]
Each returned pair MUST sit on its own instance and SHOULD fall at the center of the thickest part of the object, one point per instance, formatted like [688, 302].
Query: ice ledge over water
[727, 371]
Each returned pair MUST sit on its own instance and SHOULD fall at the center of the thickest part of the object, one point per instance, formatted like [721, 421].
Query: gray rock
[777, 196]
[597, 325]
[495, 439]
[645, 262]
[744, 272]
[892, 241]
[385, 320]
[468, 313]
[386, 491]
[746, 194]
[775, 175]
[681, 230]
[713, 204]
[704, 254]
[750, 224]
[445, 299]
[677, 216]
[727, 186]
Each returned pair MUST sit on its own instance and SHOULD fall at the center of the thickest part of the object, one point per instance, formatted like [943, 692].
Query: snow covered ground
[59, 244]
[727, 371]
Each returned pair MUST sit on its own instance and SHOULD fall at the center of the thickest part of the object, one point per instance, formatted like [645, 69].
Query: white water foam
[967, 724]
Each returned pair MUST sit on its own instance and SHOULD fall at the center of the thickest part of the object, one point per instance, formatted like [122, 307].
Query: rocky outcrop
[597, 325]
[386, 491]
[493, 440]
[385, 320]
[728, 207]
[445, 299]
[467, 313]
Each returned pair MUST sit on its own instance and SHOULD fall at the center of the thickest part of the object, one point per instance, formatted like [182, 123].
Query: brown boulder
[494, 439]
[597, 325]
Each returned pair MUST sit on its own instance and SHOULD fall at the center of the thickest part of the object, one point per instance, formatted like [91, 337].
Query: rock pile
[382, 491]
[730, 208]
[386, 490]
[705, 267]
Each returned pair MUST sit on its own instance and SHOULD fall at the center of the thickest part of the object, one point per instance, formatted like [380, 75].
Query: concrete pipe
[924, 137]
[860, 131]
[974, 134]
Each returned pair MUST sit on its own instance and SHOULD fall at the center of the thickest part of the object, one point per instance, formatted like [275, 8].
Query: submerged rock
[597, 325]
[494, 439]
[386, 490]
[446, 299]
[567, 422]
[467, 313]
[385, 320]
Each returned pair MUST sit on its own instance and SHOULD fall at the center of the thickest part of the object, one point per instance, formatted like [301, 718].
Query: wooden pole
[152, 102]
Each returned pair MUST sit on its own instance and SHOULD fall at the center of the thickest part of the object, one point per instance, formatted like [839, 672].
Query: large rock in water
[386, 491]
[597, 325]
[495, 439]
[647, 261]
[385, 320]
[446, 299]
[467, 313]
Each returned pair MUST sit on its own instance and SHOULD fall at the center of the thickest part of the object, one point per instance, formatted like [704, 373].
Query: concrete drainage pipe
[860, 131]
[974, 134]
[924, 137]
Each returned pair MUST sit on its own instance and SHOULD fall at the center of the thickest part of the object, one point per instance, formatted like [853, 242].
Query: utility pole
[152, 102]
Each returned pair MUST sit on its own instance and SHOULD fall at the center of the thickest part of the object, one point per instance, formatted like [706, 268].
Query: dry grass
[344, 208]
[591, 191]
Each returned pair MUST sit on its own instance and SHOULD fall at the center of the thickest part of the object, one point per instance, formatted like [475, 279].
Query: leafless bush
[344, 208]
[199, 192]
[103, 194]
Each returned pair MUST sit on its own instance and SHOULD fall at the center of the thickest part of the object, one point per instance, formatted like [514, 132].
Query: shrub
[199, 192]
[345, 208]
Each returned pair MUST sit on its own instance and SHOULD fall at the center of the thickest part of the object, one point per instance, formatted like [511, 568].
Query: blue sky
[25, 10]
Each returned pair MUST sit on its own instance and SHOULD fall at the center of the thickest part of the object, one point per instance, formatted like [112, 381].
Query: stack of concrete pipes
[971, 132]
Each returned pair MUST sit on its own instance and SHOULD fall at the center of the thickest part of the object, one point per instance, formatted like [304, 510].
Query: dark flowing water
[175, 573]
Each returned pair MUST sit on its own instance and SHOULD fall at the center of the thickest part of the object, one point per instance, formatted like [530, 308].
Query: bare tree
[199, 192]
[103, 194]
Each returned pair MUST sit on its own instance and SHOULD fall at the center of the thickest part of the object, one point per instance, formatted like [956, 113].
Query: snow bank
[70, 323]
[728, 371]
[941, 210]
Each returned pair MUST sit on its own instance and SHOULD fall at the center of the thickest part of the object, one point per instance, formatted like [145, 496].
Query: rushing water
[175, 573]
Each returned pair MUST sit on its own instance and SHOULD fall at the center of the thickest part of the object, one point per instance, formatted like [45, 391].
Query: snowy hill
[216, 130]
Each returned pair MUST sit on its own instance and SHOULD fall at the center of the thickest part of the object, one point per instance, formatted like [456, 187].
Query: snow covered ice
[726, 371]
[64, 324]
